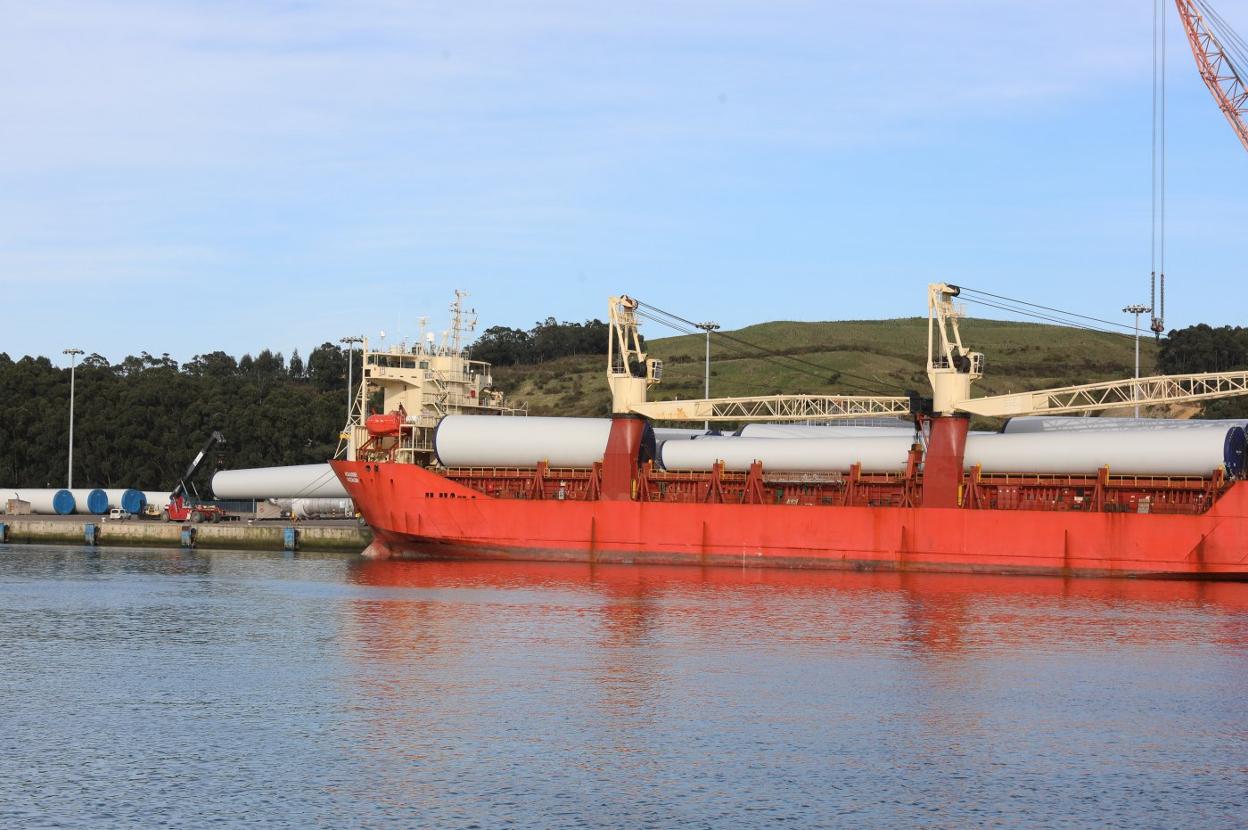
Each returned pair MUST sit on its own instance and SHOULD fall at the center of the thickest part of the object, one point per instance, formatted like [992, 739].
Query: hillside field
[1017, 357]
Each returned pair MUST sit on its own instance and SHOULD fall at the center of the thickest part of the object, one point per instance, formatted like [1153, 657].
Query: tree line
[547, 340]
[1204, 348]
[139, 422]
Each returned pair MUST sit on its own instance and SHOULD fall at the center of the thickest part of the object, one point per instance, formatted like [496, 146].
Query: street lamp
[72, 352]
[1137, 310]
[708, 328]
[350, 344]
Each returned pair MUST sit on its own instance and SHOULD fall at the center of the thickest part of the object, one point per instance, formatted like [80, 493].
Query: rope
[874, 386]
[1048, 319]
[822, 375]
[1045, 308]
[1161, 313]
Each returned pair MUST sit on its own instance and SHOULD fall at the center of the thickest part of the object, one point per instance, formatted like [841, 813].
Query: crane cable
[1046, 318]
[738, 353]
[1231, 43]
[1157, 242]
[1115, 323]
[875, 385]
[871, 386]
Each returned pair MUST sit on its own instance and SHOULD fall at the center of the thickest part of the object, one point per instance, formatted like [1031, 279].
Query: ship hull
[416, 513]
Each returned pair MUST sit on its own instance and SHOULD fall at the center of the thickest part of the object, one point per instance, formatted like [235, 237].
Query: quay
[342, 536]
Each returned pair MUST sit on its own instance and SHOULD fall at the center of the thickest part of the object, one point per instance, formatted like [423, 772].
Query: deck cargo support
[619, 462]
[942, 467]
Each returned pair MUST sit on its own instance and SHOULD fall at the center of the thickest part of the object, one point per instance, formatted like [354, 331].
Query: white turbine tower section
[46, 502]
[310, 508]
[1041, 423]
[810, 431]
[298, 481]
[92, 501]
[474, 441]
[156, 498]
[1180, 452]
[884, 454]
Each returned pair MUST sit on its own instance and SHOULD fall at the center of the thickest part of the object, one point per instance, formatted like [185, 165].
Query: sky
[183, 177]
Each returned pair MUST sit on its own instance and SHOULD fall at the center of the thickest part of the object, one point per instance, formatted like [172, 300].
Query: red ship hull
[416, 513]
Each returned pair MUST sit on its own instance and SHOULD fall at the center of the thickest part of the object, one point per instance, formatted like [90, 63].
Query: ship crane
[951, 369]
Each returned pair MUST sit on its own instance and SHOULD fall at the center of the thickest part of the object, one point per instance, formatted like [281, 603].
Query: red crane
[1222, 58]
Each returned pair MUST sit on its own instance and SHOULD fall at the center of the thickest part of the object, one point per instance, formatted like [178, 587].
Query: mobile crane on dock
[182, 507]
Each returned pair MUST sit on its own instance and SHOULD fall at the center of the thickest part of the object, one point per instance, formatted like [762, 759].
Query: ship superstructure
[407, 388]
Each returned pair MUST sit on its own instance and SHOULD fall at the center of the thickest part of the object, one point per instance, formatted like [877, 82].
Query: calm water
[157, 688]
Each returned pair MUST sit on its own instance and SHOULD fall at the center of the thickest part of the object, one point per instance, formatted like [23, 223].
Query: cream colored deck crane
[951, 369]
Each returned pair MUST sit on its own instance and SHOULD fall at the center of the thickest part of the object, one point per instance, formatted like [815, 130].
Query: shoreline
[338, 537]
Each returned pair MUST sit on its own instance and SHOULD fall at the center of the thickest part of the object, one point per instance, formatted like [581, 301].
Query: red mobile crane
[1222, 58]
[181, 507]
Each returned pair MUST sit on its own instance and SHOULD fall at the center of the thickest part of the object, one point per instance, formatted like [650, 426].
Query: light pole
[72, 352]
[1137, 310]
[708, 328]
[350, 343]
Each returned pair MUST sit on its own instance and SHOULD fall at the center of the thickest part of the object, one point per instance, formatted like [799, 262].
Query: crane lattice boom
[775, 408]
[1216, 60]
[1161, 389]
[951, 368]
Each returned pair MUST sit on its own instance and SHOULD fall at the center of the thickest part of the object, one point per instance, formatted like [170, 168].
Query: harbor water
[149, 688]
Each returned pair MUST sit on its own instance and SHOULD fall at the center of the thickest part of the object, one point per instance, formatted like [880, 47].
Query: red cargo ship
[1014, 524]
[931, 515]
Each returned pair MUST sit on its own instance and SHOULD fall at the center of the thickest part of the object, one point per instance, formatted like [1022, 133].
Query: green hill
[1018, 356]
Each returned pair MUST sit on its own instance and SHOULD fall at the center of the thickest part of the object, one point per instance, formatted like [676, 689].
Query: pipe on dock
[129, 500]
[92, 501]
[45, 502]
[298, 481]
[308, 508]
[157, 499]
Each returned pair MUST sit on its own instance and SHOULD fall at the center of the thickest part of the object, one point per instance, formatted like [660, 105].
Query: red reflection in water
[937, 608]
[619, 665]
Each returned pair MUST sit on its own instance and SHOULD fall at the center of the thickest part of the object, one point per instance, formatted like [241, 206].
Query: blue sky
[190, 176]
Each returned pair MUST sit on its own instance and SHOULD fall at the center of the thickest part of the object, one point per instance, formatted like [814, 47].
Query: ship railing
[516, 472]
[1143, 482]
[1100, 493]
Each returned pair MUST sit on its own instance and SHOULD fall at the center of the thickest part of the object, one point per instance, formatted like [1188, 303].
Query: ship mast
[629, 373]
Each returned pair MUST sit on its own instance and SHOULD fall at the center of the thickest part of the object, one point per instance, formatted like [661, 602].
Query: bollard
[188, 536]
[91, 532]
[290, 538]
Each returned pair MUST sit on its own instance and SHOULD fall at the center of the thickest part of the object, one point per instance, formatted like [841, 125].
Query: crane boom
[1226, 81]
[181, 489]
[1160, 389]
[951, 370]
[775, 408]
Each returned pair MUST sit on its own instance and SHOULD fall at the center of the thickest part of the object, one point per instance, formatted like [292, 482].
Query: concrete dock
[345, 536]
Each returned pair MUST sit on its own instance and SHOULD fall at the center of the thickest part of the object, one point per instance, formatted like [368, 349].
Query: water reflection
[933, 613]
[336, 692]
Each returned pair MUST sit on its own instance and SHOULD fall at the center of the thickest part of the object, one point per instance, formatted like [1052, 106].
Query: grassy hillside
[1018, 356]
